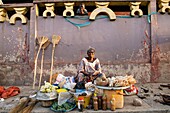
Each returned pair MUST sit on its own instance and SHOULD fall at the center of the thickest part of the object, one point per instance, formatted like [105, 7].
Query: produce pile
[116, 81]
[47, 88]
[47, 92]
[67, 106]
[9, 92]
[63, 101]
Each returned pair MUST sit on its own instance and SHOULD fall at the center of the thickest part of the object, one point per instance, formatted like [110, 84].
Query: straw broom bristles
[55, 41]
[41, 41]
[20, 106]
[29, 108]
[46, 44]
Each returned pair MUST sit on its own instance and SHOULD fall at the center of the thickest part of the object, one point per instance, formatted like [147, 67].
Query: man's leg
[80, 77]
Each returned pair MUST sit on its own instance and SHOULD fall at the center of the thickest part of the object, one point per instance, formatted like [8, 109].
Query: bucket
[86, 99]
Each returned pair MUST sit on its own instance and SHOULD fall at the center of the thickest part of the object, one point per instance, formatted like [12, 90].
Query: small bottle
[100, 102]
[104, 99]
[80, 104]
[112, 103]
[95, 103]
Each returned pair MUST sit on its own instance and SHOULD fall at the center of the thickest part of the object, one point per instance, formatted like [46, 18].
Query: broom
[20, 106]
[41, 41]
[42, 60]
[55, 40]
[29, 108]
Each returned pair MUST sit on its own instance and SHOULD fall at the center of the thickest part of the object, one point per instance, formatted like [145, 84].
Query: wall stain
[155, 64]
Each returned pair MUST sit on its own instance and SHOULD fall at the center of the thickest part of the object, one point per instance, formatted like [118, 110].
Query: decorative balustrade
[164, 6]
[69, 9]
[102, 7]
[50, 8]
[20, 12]
[3, 14]
[134, 7]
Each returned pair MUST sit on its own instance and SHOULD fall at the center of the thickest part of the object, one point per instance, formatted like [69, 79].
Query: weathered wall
[120, 41]
[161, 49]
[124, 46]
[23, 74]
[14, 45]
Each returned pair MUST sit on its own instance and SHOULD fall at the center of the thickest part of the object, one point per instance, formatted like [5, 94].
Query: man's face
[91, 54]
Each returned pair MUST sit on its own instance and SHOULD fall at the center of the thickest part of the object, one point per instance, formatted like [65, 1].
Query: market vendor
[90, 68]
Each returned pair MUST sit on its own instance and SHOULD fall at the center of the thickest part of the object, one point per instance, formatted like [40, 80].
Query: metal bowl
[46, 96]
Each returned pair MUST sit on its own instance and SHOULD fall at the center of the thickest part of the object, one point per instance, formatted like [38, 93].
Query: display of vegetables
[67, 106]
[47, 88]
[116, 81]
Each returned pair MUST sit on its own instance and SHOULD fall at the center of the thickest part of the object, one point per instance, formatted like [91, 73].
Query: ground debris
[137, 102]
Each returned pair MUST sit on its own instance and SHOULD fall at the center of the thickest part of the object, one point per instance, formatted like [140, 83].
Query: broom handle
[52, 63]
[29, 108]
[42, 60]
[35, 68]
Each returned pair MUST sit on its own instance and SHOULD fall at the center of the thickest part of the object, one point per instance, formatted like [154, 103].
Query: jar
[112, 104]
[100, 102]
[80, 104]
[95, 103]
[104, 103]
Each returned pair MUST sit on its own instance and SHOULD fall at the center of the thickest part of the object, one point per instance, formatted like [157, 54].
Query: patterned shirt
[89, 67]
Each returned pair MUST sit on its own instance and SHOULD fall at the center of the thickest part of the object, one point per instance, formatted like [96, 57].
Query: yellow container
[117, 94]
[86, 100]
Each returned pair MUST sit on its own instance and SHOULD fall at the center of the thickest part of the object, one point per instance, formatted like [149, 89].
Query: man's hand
[96, 73]
[90, 76]
[85, 73]
[93, 76]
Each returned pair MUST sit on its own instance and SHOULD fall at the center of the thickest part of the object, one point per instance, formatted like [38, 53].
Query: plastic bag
[66, 107]
[69, 83]
[132, 90]
[59, 78]
[63, 97]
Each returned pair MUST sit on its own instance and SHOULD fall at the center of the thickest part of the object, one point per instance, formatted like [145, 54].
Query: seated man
[81, 10]
[89, 68]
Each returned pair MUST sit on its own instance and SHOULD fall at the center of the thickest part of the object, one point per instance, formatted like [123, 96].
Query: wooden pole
[52, 61]
[42, 60]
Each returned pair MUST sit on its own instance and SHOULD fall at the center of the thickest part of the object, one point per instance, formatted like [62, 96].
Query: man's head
[91, 52]
[82, 5]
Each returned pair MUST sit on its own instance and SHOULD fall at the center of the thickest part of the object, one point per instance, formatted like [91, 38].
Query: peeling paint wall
[14, 43]
[124, 46]
[161, 50]
[23, 74]
[116, 42]
[15, 75]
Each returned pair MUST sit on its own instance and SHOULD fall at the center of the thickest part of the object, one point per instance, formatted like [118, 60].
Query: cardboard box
[117, 94]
